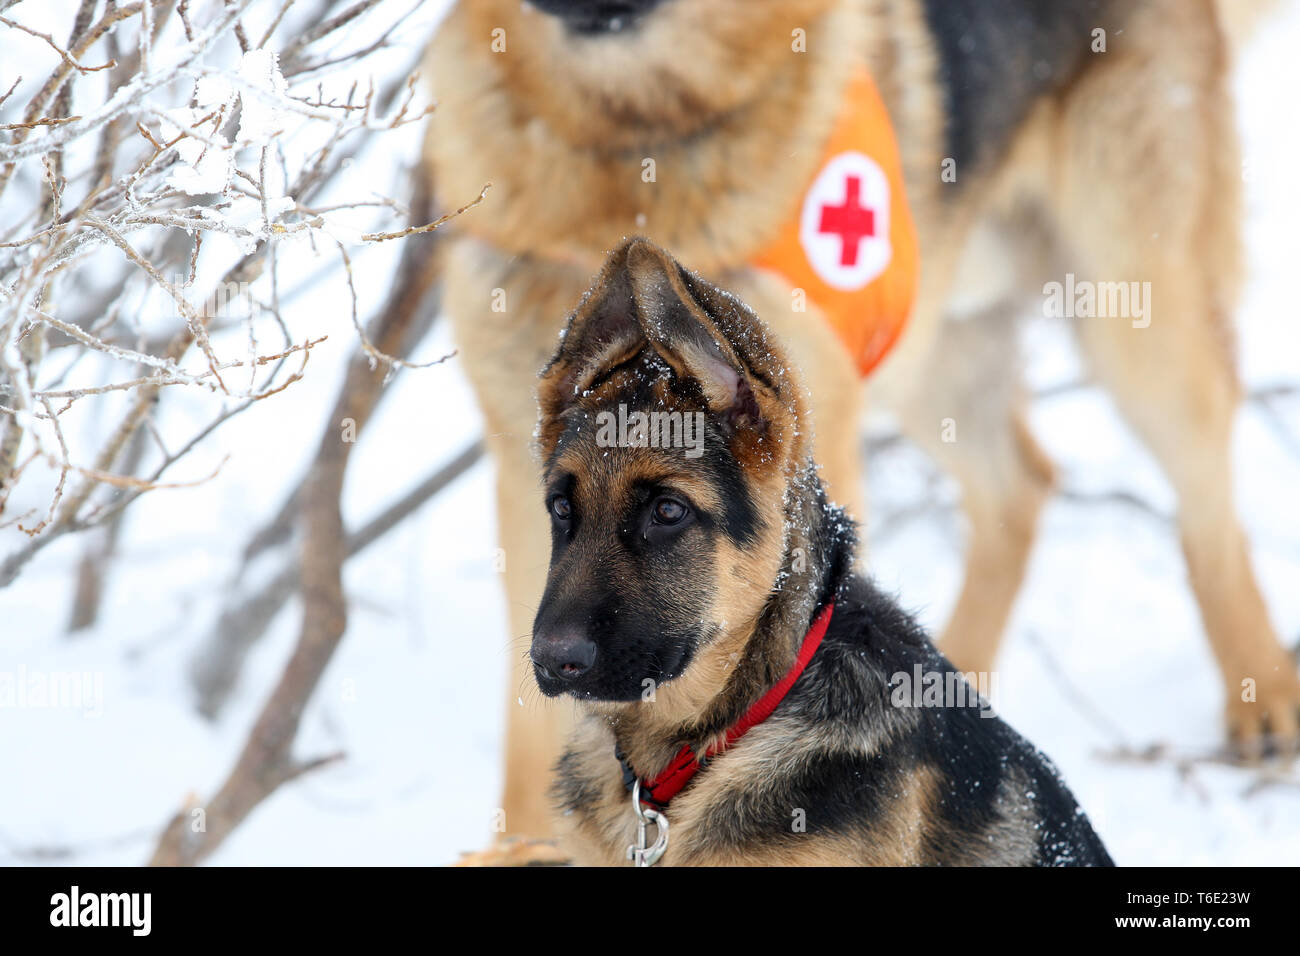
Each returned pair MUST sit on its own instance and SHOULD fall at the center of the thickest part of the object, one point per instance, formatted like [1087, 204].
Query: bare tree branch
[183, 179]
[266, 760]
[215, 670]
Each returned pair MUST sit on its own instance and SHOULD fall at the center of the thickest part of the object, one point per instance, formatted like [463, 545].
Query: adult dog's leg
[1149, 193]
[968, 416]
[956, 388]
[535, 726]
[507, 314]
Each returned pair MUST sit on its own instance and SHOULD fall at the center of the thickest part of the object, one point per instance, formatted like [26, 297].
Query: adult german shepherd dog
[1039, 140]
[703, 605]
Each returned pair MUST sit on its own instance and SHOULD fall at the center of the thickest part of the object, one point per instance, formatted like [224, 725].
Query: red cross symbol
[850, 220]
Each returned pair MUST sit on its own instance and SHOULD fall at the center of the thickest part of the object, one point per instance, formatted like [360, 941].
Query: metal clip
[639, 853]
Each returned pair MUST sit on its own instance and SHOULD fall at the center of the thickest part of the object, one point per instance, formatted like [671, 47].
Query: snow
[1105, 647]
[259, 118]
[204, 167]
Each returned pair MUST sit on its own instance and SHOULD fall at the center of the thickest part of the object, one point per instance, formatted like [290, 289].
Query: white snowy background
[1105, 648]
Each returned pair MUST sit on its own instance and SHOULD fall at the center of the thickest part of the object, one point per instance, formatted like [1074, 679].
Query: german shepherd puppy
[1040, 141]
[684, 577]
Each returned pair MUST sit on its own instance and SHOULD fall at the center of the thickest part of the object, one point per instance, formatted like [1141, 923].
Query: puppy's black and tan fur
[681, 588]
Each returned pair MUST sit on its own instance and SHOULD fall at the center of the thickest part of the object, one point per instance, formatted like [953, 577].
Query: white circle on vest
[844, 226]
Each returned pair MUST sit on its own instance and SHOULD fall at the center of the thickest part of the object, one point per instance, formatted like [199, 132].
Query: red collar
[685, 765]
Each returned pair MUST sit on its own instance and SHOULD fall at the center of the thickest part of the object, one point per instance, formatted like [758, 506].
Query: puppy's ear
[710, 337]
[602, 332]
[643, 298]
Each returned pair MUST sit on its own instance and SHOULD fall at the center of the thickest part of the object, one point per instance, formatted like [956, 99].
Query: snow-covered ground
[1105, 648]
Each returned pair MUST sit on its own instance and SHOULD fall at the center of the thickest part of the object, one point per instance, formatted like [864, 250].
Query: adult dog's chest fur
[958, 79]
[713, 197]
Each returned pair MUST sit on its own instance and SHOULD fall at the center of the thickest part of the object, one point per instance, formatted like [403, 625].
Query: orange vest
[850, 242]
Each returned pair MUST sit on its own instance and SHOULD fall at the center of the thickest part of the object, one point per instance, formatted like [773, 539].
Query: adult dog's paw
[517, 852]
[1263, 712]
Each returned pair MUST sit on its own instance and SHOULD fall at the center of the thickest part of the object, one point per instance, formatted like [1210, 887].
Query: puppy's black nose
[567, 654]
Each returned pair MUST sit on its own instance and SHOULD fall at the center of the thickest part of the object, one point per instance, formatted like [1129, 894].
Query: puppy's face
[600, 70]
[639, 535]
[665, 454]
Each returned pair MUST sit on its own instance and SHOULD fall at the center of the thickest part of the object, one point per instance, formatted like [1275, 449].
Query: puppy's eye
[669, 511]
[561, 508]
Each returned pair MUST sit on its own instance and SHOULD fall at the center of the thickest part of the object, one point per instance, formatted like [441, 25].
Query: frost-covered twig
[200, 132]
[1261, 775]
